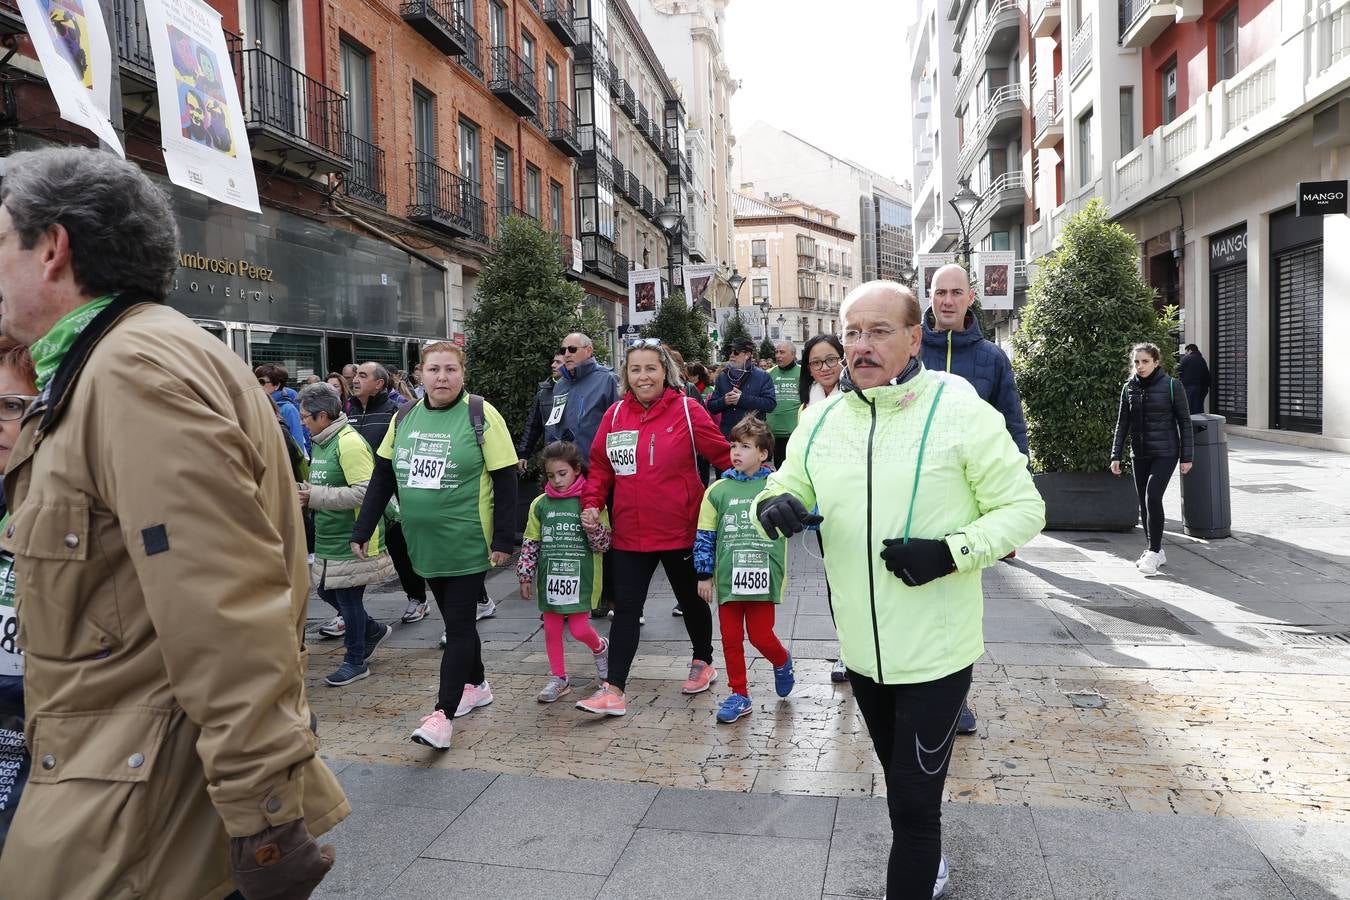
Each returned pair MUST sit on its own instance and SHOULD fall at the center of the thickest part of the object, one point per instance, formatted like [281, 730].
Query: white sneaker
[415, 611]
[333, 628]
[474, 696]
[442, 640]
[940, 886]
[1162, 557]
[1148, 563]
[486, 610]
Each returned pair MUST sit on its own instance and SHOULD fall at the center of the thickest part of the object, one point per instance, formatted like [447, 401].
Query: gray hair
[786, 343]
[321, 398]
[381, 373]
[123, 234]
[583, 339]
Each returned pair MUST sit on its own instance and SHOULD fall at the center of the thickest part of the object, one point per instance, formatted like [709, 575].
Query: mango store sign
[1321, 198]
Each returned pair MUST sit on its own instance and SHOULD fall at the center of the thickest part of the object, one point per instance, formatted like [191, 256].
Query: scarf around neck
[48, 350]
[575, 490]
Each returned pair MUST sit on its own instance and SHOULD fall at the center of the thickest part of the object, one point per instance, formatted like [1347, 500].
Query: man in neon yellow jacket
[920, 488]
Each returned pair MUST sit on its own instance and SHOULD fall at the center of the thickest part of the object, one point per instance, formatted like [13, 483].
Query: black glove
[919, 561]
[784, 516]
[279, 863]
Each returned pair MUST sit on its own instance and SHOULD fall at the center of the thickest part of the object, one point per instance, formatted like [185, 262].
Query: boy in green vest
[745, 569]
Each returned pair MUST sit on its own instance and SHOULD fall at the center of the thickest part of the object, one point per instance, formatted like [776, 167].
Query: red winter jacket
[657, 507]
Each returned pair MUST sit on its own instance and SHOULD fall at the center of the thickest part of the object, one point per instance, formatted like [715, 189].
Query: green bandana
[51, 348]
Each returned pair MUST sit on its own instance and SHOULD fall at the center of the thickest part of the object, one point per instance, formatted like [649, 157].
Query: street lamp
[766, 307]
[965, 203]
[671, 221]
[734, 281]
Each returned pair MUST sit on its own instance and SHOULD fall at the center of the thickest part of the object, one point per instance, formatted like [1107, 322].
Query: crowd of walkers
[167, 512]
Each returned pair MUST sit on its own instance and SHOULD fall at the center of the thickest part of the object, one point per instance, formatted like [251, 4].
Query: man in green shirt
[783, 418]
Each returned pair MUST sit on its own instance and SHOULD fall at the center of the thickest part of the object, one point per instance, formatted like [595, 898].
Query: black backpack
[476, 418]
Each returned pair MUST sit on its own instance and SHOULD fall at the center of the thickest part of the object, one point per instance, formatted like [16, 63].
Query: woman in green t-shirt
[452, 460]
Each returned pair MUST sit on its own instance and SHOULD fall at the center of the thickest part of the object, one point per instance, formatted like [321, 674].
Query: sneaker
[701, 677]
[1149, 562]
[839, 674]
[642, 620]
[333, 628]
[346, 674]
[965, 722]
[602, 661]
[1140, 559]
[487, 608]
[676, 611]
[783, 679]
[735, 707]
[442, 642]
[940, 885]
[554, 690]
[434, 731]
[372, 646]
[416, 611]
[1162, 557]
[608, 701]
[599, 613]
[474, 696]
[609, 614]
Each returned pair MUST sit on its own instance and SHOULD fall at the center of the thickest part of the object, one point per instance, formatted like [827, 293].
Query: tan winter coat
[161, 594]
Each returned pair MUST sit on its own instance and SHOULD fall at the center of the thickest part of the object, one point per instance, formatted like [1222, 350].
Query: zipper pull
[651, 452]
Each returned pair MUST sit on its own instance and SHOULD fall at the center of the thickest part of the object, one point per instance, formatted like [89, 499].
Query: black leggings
[913, 727]
[1150, 481]
[413, 584]
[632, 577]
[462, 660]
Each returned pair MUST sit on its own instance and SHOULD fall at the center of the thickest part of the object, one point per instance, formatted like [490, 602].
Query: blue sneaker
[734, 707]
[965, 723]
[373, 644]
[783, 679]
[346, 674]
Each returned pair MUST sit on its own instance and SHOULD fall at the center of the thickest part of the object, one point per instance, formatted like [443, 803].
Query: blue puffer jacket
[982, 363]
[590, 391]
[757, 396]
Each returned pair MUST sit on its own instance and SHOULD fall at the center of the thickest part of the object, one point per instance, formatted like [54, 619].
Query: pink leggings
[553, 638]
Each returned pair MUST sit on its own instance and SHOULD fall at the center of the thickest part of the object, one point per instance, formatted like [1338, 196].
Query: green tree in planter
[766, 350]
[684, 329]
[1086, 307]
[734, 330]
[525, 307]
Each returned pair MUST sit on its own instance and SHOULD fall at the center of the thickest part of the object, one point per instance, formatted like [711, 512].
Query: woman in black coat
[1154, 413]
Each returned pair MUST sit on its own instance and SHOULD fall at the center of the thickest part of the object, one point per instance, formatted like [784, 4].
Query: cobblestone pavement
[1218, 689]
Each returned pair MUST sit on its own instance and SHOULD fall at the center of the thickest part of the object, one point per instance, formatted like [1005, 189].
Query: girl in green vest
[744, 569]
[560, 565]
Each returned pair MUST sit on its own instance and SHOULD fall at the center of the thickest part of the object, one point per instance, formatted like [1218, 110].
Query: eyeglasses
[569, 349]
[827, 362]
[13, 406]
[871, 335]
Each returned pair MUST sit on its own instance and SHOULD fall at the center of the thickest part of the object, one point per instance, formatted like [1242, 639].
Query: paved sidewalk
[1139, 737]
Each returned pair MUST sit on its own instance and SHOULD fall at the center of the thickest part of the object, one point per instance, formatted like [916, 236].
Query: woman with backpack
[1153, 412]
[452, 458]
[645, 452]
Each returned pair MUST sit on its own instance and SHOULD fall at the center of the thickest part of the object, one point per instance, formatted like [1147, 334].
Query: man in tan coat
[160, 562]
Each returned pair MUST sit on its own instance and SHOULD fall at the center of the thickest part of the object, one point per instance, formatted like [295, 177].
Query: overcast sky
[833, 73]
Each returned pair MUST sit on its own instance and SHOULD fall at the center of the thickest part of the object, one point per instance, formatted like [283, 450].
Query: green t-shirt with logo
[11, 658]
[783, 418]
[343, 460]
[749, 566]
[445, 492]
[569, 574]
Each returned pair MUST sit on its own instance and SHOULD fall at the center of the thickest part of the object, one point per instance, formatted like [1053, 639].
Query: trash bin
[1205, 508]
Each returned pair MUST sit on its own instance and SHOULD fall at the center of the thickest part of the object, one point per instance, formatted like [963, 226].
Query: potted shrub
[1087, 305]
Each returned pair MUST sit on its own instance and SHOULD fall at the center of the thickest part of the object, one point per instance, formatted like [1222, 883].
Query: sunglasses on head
[647, 342]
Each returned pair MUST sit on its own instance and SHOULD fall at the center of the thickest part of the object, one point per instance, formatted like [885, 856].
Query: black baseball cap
[742, 345]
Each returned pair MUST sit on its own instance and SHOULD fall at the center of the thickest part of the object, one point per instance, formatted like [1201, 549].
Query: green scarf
[51, 348]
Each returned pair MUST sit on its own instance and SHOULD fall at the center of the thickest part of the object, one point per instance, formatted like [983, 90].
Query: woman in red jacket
[645, 452]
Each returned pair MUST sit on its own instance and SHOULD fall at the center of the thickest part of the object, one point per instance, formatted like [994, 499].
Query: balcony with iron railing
[642, 119]
[616, 83]
[622, 266]
[1044, 17]
[821, 265]
[834, 268]
[997, 34]
[1007, 194]
[805, 263]
[595, 148]
[647, 206]
[287, 112]
[592, 42]
[133, 46]
[1049, 116]
[365, 181]
[472, 57]
[597, 254]
[558, 17]
[441, 22]
[561, 128]
[628, 101]
[503, 212]
[633, 190]
[1080, 54]
[442, 200]
[512, 81]
[1002, 114]
[848, 271]
[620, 176]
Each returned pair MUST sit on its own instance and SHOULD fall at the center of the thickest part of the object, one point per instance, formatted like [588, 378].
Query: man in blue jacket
[581, 396]
[742, 389]
[953, 342]
[273, 379]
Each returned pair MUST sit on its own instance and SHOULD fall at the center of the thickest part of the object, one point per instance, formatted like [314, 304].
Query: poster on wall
[698, 281]
[927, 265]
[72, 45]
[201, 120]
[644, 295]
[995, 284]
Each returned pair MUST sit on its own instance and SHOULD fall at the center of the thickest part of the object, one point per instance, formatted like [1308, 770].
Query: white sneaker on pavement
[940, 886]
[333, 628]
[415, 611]
[442, 640]
[486, 610]
[1148, 563]
[1162, 557]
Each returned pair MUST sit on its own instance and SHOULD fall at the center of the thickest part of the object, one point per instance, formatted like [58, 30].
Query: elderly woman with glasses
[339, 473]
[645, 451]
